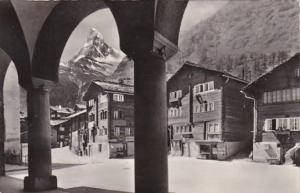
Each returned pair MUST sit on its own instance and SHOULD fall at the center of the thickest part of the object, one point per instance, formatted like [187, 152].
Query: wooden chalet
[277, 111]
[110, 109]
[208, 117]
[62, 130]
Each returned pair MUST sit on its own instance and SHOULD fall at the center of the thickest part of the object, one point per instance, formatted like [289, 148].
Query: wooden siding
[238, 113]
[283, 77]
[127, 109]
[181, 80]
[232, 110]
[216, 114]
[184, 118]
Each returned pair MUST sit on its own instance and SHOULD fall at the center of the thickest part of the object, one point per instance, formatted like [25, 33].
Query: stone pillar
[151, 149]
[39, 141]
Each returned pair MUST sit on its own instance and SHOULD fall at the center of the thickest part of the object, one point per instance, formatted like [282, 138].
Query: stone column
[151, 149]
[39, 140]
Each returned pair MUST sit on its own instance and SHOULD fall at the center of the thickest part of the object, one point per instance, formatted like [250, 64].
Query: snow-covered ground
[64, 155]
[186, 175]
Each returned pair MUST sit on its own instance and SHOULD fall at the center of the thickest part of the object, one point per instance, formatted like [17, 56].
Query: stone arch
[55, 33]
[168, 18]
[13, 42]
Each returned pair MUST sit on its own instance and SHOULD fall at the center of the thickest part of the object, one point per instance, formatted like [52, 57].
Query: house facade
[69, 130]
[110, 112]
[277, 111]
[208, 117]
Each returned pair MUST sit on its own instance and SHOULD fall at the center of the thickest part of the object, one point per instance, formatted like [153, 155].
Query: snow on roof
[115, 87]
[61, 109]
[57, 122]
[75, 114]
[81, 106]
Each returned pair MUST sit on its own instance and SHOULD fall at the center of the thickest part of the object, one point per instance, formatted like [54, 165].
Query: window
[211, 85]
[279, 96]
[118, 97]
[118, 114]
[179, 93]
[265, 96]
[268, 125]
[210, 128]
[175, 112]
[116, 131]
[213, 131]
[180, 111]
[216, 127]
[282, 124]
[269, 97]
[203, 87]
[294, 124]
[294, 94]
[298, 93]
[288, 95]
[91, 102]
[103, 115]
[274, 97]
[128, 131]
[297, 72]
[204, 107]
[175, 95]
[211, 106]
[186, 128]
[283, 95]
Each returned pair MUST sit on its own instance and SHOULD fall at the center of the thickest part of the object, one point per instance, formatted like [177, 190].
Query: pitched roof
[115, 87]
[75, 114]
[61, 109]
[270, 71]
[224, 74]
[57, 122]
[80, 106]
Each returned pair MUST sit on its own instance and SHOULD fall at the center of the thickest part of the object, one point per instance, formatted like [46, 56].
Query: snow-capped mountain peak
[97, 55]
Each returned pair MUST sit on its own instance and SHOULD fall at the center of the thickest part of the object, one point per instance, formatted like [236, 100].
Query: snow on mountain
[97, 55]
[94, 60]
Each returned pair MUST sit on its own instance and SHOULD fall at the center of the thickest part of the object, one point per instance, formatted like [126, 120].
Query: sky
[104, 22]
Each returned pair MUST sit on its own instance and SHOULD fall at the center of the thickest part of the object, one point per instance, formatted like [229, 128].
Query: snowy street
[186, 175]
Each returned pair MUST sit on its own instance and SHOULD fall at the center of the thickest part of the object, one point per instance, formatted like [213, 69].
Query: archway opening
[92, 108]
[15, 121]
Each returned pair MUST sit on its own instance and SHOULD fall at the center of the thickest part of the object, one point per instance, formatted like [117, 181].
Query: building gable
[283, 76]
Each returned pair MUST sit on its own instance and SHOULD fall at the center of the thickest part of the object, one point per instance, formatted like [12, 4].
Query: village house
[110, 112]
[276, 111]
[208, 117]
[62, 130]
